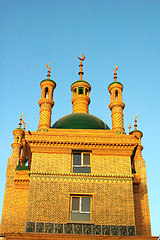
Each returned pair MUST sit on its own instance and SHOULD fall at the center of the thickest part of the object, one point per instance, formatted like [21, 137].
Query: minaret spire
[80, 92]
[20, 120]
[48, 75]
[24, 128]
[46, 102]
[115, 74]
[117, 105]
[81, 65]
[135, 121]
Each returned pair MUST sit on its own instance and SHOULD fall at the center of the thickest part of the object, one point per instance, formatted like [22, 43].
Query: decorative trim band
[81, 175]
[79, 228]
[81, 144]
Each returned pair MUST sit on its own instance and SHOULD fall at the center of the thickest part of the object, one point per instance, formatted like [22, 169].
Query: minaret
[46, 102]
[17, 144]
[117, 105]
[80, 93]
[141, 204]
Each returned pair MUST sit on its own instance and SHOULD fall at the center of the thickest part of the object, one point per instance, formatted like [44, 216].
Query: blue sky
[107, 32]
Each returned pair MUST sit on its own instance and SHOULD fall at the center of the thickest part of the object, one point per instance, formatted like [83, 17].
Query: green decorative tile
[97, 230]
[40, 227]
[123, 230]
[105, 229]
[68, 228]
[58, 228]
[87, 229]
[30, 227]
[114, 230]
[131, 231]
[78, 228]
[48, 227]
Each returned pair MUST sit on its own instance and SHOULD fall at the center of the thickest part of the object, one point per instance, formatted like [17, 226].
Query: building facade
[77, 177]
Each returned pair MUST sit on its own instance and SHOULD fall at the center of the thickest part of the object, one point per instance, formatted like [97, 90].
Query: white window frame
[82, 165]
[80, 206]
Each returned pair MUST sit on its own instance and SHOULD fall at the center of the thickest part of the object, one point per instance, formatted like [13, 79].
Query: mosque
[77, 179]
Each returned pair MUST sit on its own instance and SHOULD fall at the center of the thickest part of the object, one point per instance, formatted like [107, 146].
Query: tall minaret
[80, 93]
[17, 144]
[141, 204]
[46, 102]
[117, 105]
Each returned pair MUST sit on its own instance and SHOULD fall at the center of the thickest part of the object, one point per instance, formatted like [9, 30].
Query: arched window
[52, 93]
[46, 92]
[80, 90]
[86, 91]
[74, 92]
[116, 95]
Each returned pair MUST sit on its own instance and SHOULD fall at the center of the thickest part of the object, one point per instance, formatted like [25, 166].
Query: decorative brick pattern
[116, 165]
[15, 203]
[54, 163]
[49, 198]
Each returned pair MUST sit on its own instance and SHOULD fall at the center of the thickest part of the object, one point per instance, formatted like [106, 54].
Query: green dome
[80, 121]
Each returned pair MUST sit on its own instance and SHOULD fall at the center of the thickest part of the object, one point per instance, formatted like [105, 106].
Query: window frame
[82, 159]
[80, 207]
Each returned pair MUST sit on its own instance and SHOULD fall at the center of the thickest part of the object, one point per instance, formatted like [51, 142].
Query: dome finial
[20, 120]
[129, 128]
[135, 122]
[48, 75]
[115, 74]
[81, 65]
[24, 128]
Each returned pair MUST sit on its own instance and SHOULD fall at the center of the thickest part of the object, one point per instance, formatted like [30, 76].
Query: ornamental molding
[81, 135]
[123, 149]
[21, 179]
[79, 176]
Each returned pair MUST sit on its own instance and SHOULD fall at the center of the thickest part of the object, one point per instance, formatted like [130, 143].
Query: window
[75, 90]
[86, 91]
[46, 92]
[116, 95]
[80, 90]
[80, 208]
[81, 162]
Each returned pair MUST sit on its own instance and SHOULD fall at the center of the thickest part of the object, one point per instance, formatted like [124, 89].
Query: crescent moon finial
[135, 122]
[24, 124]
[48, 75]
[115, 74]
[82, 59]
[20, 120]
[81, 65]
[47, 66]
[22, 116]
[115, 69]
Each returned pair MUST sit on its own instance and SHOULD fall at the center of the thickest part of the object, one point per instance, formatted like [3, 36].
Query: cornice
[80, 175]
[80, 136]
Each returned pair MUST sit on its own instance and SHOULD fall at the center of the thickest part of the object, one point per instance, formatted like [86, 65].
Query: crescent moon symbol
[116, 67]
[82, 58]
[24, 122]
[47, 66]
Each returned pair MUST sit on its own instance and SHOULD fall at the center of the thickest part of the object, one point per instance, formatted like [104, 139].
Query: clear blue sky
[107, 32]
